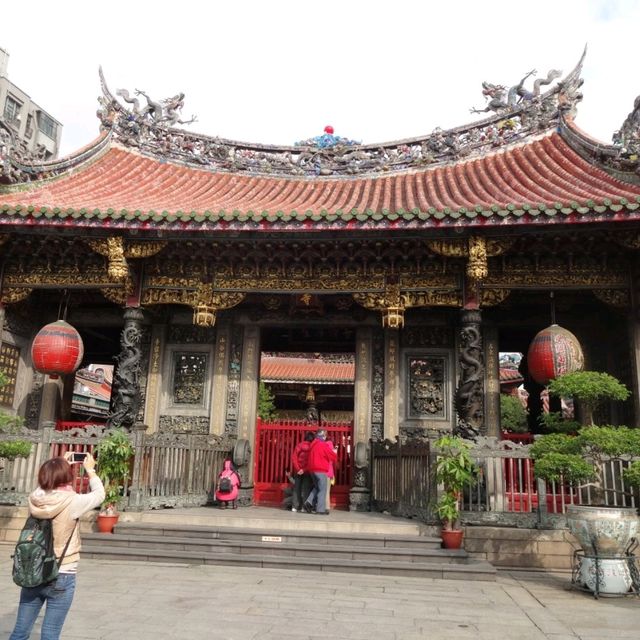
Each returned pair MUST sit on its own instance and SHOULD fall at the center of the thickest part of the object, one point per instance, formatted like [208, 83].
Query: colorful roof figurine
[527, 163]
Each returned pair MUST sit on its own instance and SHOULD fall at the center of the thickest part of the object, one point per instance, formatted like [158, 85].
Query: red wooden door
[275, 442]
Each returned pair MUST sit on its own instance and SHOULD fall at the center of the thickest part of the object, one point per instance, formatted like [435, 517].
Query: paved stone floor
[137, 601]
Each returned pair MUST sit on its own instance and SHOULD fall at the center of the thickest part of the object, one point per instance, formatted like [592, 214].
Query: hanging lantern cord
[553, 307]
[64, 305]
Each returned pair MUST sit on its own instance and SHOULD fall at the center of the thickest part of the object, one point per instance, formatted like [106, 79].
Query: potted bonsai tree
[603, 531]
[454, 470]
[113, 455]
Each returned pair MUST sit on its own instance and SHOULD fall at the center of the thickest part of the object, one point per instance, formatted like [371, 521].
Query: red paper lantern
[552, 353]
[57, 349]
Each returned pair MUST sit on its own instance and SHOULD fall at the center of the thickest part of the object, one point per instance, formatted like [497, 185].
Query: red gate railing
[275, 442]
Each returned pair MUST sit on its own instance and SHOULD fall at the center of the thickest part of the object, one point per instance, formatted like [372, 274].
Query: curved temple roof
[524, 165]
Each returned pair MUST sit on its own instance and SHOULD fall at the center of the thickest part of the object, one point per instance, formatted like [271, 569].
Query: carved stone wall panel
[426, 336]
[189, 334]
[180, 424]
[427, 395]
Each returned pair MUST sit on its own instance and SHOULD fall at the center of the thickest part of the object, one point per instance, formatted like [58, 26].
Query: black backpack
[34, 560]
[225, 485]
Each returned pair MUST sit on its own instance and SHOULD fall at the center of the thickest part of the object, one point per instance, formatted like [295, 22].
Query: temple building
[190, 259]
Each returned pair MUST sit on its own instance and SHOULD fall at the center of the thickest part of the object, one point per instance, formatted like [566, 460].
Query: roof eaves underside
[544, 181]
[527, 214]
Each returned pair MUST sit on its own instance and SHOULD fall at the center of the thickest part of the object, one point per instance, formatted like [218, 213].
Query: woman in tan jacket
[55, 498]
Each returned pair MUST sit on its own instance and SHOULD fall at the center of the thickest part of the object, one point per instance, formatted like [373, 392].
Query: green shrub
[266, 403]
[554, 423]
[590, 389]
[513, 416]
[10, 425]
[580, 459]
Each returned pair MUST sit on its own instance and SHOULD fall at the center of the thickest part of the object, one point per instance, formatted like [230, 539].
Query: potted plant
[454, 470]
[603, 531]
[113, 455]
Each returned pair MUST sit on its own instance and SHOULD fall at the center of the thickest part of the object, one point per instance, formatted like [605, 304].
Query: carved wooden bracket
[12, 295]
[629, 240]
[116, 249]
[208, 303]
[475, 248]
[492, 297]
[112, 249]
[619, 298]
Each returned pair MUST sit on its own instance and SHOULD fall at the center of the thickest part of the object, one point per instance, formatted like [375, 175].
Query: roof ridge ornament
[150, 129]
[502, 100]
[132, 125]
[628, 136]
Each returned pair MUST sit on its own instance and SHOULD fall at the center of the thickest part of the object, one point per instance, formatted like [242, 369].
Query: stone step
[267, 518]
[470, 570]
[284, 535]
[272, 545]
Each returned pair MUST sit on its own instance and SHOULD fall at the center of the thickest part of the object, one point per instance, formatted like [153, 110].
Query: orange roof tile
[543, 175]
[305, 370]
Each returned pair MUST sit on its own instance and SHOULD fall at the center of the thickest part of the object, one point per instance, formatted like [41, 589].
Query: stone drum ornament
[57, 349]
[552, 353]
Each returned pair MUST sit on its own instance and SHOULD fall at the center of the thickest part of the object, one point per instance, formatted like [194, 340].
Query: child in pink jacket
[227, 486]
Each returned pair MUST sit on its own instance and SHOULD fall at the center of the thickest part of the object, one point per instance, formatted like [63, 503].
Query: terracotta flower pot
[451, 538]
[107, 523]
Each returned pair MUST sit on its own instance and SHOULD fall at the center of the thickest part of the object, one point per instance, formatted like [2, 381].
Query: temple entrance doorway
[306, 382]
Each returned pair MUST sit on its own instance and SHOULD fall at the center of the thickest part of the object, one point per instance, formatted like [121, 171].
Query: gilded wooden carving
[11, 295]
[492, 297]
[620, 298]
[113, 249]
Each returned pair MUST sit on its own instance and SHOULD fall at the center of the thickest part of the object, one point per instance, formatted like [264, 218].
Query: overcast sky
[279, 71]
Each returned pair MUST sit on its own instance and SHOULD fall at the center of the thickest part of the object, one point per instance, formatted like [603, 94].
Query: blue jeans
[58, 596]
[319, 492]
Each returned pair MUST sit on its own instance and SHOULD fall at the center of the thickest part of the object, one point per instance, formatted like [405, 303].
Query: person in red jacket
[302, 478]
[321, 457]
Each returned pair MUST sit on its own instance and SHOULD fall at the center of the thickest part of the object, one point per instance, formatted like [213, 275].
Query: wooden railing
[169, 470]
[505, 491]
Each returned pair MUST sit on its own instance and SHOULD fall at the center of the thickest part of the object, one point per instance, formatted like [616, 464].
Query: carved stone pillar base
[245, 497]
[359, 499]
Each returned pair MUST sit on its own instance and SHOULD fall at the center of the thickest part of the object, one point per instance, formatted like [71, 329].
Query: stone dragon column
[126, 378]
[469, 396]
